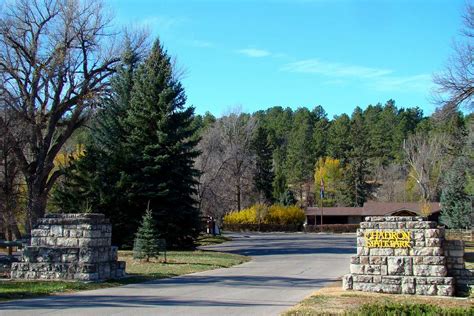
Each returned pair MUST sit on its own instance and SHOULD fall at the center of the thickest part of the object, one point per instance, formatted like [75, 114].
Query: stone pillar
[464, 278]
[399, 254]
[70, 247]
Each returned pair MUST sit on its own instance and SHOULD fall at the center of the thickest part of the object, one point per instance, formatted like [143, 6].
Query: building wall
[354, 219]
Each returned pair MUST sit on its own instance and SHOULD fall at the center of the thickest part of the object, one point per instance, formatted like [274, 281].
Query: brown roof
[372, 208]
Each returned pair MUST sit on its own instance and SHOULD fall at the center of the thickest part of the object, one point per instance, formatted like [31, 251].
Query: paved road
[285, 269]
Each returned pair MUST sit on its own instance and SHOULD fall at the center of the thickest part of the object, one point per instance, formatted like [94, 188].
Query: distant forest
[383, 153]
[280, 155]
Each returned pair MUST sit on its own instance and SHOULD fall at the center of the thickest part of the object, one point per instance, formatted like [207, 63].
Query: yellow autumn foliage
[332, 172]
[64, 158]
[262, 214]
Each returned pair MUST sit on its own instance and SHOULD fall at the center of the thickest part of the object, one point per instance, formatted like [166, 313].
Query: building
[354, 215]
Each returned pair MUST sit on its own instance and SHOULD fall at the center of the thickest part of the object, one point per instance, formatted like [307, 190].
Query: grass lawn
[206, 240]
[333, 300]
[178, 263]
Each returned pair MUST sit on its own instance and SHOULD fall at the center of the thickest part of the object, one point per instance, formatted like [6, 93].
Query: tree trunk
[37, 198]
[238, 197]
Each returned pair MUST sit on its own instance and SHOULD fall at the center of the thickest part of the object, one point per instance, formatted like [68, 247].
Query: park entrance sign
[399, 254]
[387, 239]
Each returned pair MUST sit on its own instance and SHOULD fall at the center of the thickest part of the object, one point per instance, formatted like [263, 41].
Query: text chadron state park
[387, 239]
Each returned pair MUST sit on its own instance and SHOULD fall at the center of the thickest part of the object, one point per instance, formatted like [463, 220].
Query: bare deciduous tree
[227, 165]
[55, 60]
[393, 183]
[424, 156]
[456, 82]
[10, 178]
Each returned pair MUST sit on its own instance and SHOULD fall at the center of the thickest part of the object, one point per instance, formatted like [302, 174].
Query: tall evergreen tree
[142, 150]
[455, 205]
[98, 180]
[320, 133]
[264, 176]
[279, 183]
[339, 143]
[300, 160]
[162, 148]
[356, 188]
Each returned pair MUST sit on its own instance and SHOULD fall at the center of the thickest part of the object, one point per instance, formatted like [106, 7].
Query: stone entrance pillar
[399, 254]
[70, 247]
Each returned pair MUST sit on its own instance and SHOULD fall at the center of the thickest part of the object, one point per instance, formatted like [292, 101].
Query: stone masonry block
[419, 243]
[357, 268]
[445, 290]
[377, 260]
[355, 259]
[388, 225]
[408, 285]
[426, 289]
[435, 260]
[347, 282]
[363, 278]
[439, 280]
[367, 287]
[419, 234]
[401, 252]
[433, 242]
[430, 270]
[399, 266]
[56, 231]
[401, 225]
[390, 288]
[372, 269]
[426, 251]
[381, 251]
[433, 233]
[362, 251]
[392, 280]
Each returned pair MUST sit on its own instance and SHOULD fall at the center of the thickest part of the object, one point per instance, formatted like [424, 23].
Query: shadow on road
[269, 244]
[102, 301]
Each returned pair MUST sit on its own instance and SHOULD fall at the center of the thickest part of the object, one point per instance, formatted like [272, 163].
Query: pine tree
[162, 148]
[145, 245]
[338, 142]
[287, 198]
[455, 205]
[300, 160]
[320, 134]
[279, 184]
[356, 189]
[100, 178]
[264, 176]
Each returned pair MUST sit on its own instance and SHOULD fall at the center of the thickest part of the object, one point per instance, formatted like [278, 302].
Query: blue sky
[336, 53]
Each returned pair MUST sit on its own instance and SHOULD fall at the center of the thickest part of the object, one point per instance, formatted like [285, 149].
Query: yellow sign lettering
[387, 239]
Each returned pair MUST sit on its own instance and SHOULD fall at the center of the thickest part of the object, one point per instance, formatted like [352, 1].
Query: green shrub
[419, 309]
[262, 227]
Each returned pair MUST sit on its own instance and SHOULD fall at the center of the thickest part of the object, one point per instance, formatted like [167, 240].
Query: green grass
[401, 309]
[178, 263]
[206, 240]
